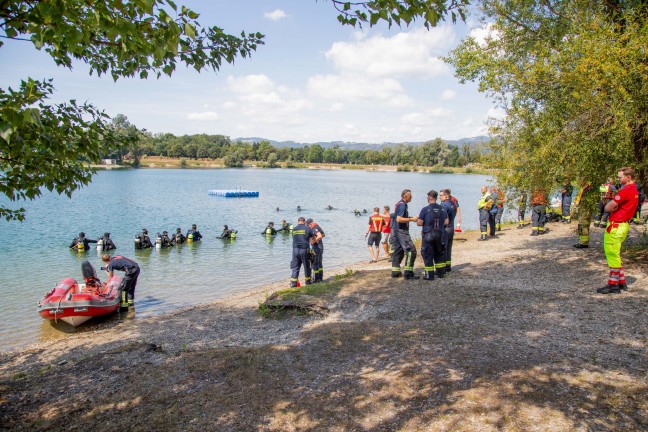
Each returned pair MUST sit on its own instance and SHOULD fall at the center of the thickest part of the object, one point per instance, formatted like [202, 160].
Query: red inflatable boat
[76, 303]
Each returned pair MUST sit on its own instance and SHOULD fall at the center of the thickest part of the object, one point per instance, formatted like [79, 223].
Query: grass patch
[303, 301]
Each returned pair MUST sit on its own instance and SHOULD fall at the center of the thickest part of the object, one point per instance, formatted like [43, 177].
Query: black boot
[396, 274]
[428, 275]
[609, 289]
[482, 238]
[581, 246]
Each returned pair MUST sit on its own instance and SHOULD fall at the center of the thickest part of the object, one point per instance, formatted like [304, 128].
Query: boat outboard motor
[89, 274]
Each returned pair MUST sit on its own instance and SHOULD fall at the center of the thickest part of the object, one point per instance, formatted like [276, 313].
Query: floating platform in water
[233, 193]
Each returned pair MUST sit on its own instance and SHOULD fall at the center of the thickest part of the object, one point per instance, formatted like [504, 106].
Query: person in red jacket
[621, 208]
[374, 232]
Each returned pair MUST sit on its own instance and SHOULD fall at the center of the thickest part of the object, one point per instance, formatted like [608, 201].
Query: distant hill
[472, 141]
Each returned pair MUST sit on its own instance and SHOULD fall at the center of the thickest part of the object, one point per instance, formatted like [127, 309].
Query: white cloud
[484, 33]
[203, 116]
[406, 54]
[354, 89]
[275, 15]
[426, 117]
[250, 84]
[448, 94]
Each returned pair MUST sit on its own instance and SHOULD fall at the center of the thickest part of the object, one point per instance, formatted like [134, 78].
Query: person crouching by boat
[107, 243]
[142, 240]
[193, 234]
[178, 237]
[227, 233]
[129, 282]
[81, 243]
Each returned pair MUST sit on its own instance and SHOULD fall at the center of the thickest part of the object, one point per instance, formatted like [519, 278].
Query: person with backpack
[449, 205]
[178, 237]
[81, 243]
[106, 242]
[433, 218]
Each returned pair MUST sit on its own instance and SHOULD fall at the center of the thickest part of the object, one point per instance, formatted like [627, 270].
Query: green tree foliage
[49, 145]
[571, 76]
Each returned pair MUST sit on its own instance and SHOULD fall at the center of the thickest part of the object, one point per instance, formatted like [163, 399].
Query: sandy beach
[515, 338]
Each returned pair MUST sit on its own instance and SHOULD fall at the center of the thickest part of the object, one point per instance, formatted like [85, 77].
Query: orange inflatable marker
[458, 229]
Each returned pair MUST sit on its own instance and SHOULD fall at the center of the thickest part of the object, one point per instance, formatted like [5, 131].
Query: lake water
[35, 254]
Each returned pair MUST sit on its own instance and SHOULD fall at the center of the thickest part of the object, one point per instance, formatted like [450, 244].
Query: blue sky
[313, 80]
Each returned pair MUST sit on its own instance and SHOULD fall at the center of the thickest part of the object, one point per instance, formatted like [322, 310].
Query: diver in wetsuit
[270, 229]
[107, 243]
[178, 237]
[81, 243]
[165, 241]
[193, 234]
[285, 226]
[227, 233]
[142, 240]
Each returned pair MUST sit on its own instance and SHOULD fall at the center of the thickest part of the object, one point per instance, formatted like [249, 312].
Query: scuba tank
[100, 244]
[138, 241]
[158, 241]
[80, 245]
[268, 231]
[190, 238]
[233, 235]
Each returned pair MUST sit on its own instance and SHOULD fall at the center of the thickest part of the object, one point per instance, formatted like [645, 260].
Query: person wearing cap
[227, 233]
[302, 237]
[193, 234]
[81, 243]
[132, 270]
[142, 240]
[318, 249]
[178, 237]
[270, 229]
[108, 244]
[402, 244]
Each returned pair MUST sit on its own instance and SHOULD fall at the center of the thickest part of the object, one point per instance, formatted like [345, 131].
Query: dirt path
[515, 338]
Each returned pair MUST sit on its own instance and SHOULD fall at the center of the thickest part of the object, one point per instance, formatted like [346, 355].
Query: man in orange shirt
[374, 231]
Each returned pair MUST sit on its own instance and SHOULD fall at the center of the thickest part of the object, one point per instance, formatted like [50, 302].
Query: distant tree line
[202, 146]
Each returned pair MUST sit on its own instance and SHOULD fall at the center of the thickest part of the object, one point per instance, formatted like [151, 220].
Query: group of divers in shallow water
[163, 240]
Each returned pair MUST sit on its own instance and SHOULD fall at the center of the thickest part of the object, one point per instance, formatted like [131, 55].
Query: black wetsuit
[195, 234]
[178, 238]
[81, 243]
[132, 271]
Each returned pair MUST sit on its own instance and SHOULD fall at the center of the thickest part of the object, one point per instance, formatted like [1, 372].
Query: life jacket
[376, 223]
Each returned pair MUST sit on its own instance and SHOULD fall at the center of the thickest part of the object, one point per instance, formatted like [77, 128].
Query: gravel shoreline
[515, 338]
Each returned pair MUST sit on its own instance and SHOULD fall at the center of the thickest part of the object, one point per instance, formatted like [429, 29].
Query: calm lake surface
[35, 254]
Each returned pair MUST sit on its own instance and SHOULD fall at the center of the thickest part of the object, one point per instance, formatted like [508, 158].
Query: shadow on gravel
[520, 342]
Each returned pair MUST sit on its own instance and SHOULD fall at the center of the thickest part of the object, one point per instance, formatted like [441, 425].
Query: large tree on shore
[571, 77]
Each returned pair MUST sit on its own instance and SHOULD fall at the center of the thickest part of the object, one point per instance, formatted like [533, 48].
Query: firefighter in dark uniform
[302, 237]
[584, 204]
[402, 244]
[433, 218]
[566, 198]
[129, 282]
[451, 209]
[522, 205]
[81, 243]
[178, 237]
[538, 211]
[318, 249]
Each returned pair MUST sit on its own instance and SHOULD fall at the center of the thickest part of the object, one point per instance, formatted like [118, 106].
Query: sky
[314, 80]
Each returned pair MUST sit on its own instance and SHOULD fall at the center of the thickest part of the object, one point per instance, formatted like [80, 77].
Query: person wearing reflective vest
[501, 199]
[449, 206]
[538, 211]
[607, 192]
[584, 203]
[386, 231]
[401, 242]
[374, 232]
[484, 205]
[522, 205]
[566, 199]
[318, 248]
[433, 218]
[622, 208]
[302, 237]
